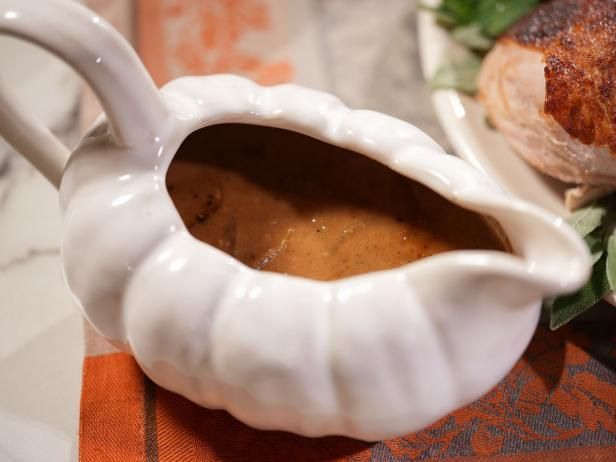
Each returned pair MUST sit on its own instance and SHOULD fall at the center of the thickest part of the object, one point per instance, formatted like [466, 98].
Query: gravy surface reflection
[281, 201]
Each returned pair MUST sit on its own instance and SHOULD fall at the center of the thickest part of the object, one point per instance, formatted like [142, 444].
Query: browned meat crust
[578, 40]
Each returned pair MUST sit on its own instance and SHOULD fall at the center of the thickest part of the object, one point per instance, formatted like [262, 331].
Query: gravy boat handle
[99, 54]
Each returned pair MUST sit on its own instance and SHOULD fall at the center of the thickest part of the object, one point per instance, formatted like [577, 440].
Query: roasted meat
[549, 86]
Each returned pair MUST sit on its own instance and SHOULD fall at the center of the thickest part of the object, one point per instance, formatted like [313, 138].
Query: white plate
[463, 120]
[464, 123]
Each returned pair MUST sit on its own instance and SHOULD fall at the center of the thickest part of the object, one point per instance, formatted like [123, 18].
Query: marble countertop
[41, 344]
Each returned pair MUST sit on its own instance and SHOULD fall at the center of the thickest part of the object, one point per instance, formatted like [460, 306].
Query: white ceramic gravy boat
[372, 356]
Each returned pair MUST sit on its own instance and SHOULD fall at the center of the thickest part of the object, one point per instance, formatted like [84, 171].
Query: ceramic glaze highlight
[373, 356]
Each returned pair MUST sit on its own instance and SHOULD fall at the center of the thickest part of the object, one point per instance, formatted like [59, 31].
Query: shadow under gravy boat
[372, 356]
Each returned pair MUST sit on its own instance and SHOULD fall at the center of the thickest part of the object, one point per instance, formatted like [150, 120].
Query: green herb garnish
[471, 37]
[564, 309]
[497, 16]
[474, 24]
[610, 263]
[597, 225]
[452, 13]
[460, 74]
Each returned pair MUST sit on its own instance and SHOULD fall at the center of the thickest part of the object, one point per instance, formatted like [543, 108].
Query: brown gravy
[281, 201]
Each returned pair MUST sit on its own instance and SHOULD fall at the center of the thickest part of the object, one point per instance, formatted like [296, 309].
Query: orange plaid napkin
[558, 403]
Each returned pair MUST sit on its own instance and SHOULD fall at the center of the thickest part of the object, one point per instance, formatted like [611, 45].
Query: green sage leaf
[471, 37]
[460, 75]
[610, 267]
[595, 245]
[564, 309]
[496, 16]
[452, 13]
[587, 219]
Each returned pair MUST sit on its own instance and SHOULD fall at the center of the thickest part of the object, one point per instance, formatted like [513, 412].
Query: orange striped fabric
[112, 411]
[558, 403]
